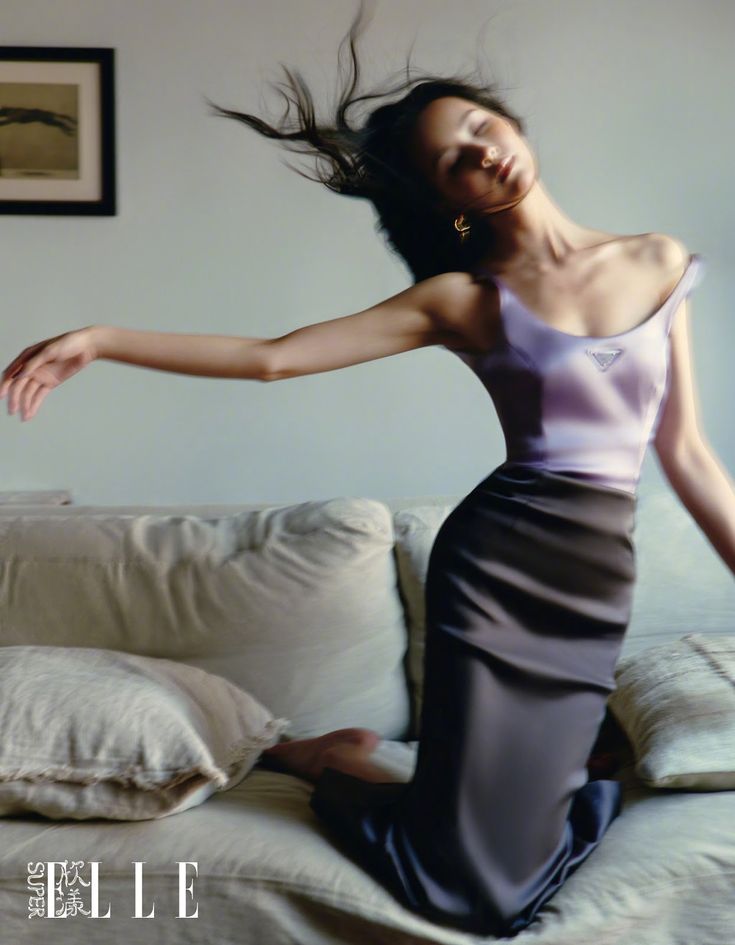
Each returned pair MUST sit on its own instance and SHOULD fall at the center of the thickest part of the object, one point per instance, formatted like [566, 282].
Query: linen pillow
[90, 732]
[676, 703]
[416, 530]
[297, 605]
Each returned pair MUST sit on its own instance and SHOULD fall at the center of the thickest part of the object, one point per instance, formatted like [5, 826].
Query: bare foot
[306, 757]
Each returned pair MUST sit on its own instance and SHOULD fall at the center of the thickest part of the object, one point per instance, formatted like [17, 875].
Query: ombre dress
[528, 596]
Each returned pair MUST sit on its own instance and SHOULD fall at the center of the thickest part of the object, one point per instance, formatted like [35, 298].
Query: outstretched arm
[227, 356]
[403, 322]
[689, 462]
[411, 319]
[408, 320]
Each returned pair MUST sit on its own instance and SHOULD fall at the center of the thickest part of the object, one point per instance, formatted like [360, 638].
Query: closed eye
[455, 165]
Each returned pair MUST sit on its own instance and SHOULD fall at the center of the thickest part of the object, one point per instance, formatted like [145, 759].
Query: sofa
[316, 609]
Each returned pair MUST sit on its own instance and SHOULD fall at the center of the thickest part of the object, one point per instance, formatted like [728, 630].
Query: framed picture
[57, 130]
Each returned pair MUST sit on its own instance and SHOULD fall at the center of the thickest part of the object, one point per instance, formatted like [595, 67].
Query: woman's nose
[489, 155]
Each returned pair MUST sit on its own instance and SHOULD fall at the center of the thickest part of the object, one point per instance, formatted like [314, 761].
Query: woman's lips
[505, 166]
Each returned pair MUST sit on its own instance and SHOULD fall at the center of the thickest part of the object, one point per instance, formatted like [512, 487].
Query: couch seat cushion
[268, 872]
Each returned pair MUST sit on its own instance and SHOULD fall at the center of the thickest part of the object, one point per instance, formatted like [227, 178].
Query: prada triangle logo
[604, 357]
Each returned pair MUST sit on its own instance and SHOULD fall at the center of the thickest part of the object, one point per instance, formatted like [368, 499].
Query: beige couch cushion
[298, 605]
[269, 872]
[416, 531]
[676, 703]
[92, 733]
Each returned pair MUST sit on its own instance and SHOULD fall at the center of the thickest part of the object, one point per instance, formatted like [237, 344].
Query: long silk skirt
[528, 595]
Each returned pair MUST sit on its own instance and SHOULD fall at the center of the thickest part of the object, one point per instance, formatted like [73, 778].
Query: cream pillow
[676, 703]
[90, 732]
[298, 605]
[416, 530]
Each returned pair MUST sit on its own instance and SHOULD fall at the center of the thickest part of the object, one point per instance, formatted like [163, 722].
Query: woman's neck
[533, 233]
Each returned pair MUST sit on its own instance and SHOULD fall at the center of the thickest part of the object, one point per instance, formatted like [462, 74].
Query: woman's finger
[11, 396]
[17, 362]
[28, 394]
[47, 354]
[15, 394]
[7, 379]
[25, 401]
[35, 400]
[10, 379]
[33, 393]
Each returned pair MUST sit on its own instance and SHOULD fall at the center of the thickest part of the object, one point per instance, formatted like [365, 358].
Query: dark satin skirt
[528, 595]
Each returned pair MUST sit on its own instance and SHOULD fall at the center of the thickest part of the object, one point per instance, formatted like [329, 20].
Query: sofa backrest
[299, 605]
[315, 608]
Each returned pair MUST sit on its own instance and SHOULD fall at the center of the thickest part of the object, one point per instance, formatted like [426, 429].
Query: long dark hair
[373, 161]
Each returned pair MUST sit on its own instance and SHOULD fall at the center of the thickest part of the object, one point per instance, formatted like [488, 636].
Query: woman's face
[458, 146]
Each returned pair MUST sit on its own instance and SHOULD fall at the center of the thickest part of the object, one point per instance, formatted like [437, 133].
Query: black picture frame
[57, 130]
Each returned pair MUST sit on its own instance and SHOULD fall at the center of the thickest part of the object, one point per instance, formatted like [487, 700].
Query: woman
[581, 338]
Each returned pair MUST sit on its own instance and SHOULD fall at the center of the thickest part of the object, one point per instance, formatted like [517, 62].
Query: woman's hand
[40, 368]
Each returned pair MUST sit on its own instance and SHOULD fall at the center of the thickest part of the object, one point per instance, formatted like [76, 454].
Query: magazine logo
[59, 890]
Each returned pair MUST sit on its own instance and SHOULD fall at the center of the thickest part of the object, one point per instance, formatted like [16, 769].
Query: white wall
[628, 104]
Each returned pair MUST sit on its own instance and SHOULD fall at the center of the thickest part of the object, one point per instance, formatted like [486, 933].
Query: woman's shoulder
[668, 255]
[465, 306]
[663, 250]
[657, 249]
[658, 257]
[454, 290]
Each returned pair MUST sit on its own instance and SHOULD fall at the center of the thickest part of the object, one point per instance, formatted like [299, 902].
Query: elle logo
[56, 890]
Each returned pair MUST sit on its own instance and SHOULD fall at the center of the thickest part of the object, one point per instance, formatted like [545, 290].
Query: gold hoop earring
[462, 227]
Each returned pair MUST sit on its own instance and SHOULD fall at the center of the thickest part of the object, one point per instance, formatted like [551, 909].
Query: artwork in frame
[57, 130]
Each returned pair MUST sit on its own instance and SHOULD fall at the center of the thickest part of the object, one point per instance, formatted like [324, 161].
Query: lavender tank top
[582, 405]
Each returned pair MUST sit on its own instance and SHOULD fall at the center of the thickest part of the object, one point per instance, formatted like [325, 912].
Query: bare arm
[689, 462]
[203, 355]
[410, 319]
[403, 322]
